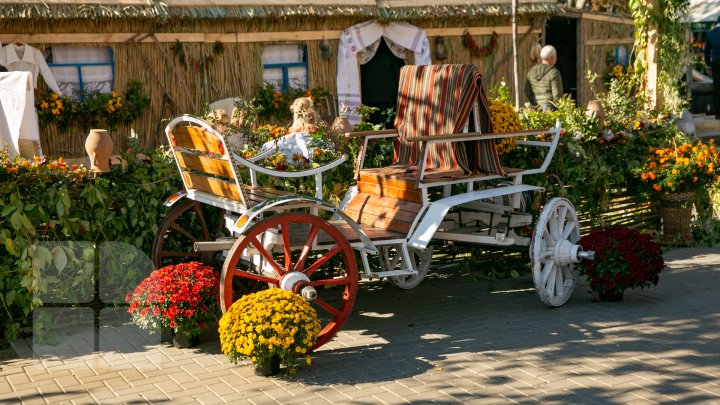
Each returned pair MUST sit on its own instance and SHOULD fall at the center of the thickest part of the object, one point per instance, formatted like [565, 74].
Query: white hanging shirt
[360, 36]
[25, 58]
[18, 120]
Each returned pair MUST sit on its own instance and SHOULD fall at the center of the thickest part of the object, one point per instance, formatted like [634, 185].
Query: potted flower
[268, 327]
[504, 119]
[624, 259]
[678, 173]
[183, 297]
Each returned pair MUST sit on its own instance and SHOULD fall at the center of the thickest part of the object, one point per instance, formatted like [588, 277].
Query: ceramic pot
[99, 147]
[611, 296]
[339, 128]
[269, 367]
[595, 108]
[182, 341]
[341, 125]
[28, 149]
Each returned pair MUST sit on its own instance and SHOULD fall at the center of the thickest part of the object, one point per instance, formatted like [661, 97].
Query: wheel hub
[298, 283]
[566, 252]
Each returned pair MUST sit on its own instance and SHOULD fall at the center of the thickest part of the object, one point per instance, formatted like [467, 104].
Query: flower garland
[98, 110]
[478, 51]
[183, 56]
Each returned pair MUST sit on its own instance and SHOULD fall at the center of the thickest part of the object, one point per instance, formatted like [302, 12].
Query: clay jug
[99, 147]
[28, 148]
[595, 108]
[339, 128]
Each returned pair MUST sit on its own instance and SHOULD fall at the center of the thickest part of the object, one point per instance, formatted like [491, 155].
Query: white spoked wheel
[554, 251]
[421, 263]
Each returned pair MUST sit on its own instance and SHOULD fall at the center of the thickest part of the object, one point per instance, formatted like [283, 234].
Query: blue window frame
[286, 66]
[75, 70]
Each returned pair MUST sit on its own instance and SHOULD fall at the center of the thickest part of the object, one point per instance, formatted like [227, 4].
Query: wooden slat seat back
[204, 162]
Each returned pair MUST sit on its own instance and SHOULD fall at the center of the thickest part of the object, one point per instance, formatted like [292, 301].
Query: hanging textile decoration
[484, 51]
[400, 37]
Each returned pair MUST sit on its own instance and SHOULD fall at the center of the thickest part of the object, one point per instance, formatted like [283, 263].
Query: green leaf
[59, 258]
[16, 220]
[43, 254]
[8, 210]
[9, 246]
[99, 195]
[66, 198]
[60, 208]
[27, 224]
[10, 297]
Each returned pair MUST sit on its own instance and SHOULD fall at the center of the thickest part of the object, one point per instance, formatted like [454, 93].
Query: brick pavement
[453, 339]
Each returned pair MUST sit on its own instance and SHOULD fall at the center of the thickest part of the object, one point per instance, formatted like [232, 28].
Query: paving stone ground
[454, 339]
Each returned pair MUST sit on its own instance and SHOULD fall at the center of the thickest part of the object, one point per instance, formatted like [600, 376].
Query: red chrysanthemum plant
[183, 297]
[624, 259]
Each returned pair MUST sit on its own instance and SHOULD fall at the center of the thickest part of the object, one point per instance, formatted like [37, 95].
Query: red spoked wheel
[187, 222]
[279, 252]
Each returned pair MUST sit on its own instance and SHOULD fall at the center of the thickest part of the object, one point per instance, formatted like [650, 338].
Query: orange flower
[657, 187]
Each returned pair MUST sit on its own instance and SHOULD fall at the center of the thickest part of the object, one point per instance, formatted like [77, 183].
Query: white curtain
[356, 39]
[297, 76]
[96, 79]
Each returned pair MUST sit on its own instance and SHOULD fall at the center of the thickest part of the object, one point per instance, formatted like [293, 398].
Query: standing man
[712, 60]
[544, 84]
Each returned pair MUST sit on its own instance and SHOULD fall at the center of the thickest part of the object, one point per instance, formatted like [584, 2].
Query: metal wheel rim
[421, 262]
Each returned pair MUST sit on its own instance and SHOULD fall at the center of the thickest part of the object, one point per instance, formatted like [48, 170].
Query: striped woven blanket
[436, 100]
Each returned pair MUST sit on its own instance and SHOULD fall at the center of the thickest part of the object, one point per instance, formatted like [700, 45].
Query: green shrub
[53, 218]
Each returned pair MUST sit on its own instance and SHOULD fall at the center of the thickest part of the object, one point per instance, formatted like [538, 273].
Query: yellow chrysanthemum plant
[504, 119]
[268, 323]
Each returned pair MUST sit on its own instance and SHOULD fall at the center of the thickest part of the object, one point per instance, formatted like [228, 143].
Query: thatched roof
[250, 9]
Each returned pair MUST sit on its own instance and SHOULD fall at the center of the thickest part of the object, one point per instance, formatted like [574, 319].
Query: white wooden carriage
[433, 192]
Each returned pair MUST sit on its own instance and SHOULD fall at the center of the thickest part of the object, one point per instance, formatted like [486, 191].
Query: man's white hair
[547, 52]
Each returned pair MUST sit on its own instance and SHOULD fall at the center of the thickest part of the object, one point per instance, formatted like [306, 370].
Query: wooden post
[582, 83]
[516, 63]
[651, 75]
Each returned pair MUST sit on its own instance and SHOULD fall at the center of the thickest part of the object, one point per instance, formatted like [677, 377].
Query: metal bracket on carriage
[501, 231]
[392, 273]
[214, 246]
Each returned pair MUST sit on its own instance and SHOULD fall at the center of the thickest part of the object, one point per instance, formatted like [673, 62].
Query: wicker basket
[676, 210]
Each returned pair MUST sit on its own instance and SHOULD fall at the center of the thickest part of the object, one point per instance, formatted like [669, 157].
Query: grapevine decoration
[183, 55]
[478, 51]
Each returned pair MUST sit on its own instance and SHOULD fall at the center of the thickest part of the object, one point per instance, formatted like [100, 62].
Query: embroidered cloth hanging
[356, 39]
